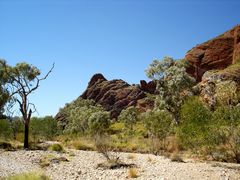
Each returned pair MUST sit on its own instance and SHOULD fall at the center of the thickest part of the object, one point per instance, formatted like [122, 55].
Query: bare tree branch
[38, 80]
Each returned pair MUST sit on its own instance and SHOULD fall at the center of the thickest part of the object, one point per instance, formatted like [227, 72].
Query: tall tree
[4, 96]
[173, 84]
[21, 81]
[3, 99]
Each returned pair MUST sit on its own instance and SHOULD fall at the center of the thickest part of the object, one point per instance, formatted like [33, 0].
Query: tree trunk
[26, 135]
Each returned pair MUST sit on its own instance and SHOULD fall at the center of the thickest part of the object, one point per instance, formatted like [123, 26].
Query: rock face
[116, 95]
[217, 53]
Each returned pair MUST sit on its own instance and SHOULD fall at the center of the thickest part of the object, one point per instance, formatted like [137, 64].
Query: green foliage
[17, 126]
[23, 70]
[193, 130]
[4, 97]
[56, 147]
[99, 122]
[174, 84]
[217, 133]
[129, 116]
[225, 131]
[20, 81]
[4, 94]
[5, 129]
[78, 113]
[158, 123]
[45, 128]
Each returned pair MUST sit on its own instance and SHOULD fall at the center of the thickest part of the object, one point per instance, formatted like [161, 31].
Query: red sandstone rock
[217, 53]
[116, 95]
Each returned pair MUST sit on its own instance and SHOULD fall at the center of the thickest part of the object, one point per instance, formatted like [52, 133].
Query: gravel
[83, 165]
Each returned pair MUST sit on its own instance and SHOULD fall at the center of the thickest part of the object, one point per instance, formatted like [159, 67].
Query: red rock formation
[217, 53]
[116, 95]
[149, 87]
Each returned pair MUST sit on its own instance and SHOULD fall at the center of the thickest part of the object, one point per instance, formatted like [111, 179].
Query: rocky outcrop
[220, 86]
[149, 87]
[116, 95]
[217, 53]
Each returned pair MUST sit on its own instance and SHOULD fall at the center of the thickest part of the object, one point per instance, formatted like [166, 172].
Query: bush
[17, 126]
[158, 123]
[5, 129]
[99, 123]
[56, 147]
[225, 132]
[77, 116]
[43, 128]
[193, 129]
[227, 93]
[129, 116]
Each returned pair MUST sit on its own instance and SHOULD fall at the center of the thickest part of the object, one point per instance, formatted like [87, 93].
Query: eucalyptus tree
[21, 81]
[173, 84]
[3, 99]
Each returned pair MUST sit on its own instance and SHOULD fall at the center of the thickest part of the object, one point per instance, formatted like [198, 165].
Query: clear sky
[118, 38]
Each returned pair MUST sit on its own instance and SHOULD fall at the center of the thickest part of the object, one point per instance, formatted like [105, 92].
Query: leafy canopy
[79, 116]
[174, 84]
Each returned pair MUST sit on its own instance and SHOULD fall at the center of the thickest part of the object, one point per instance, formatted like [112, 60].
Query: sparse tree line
[180, 120]
[17, 84]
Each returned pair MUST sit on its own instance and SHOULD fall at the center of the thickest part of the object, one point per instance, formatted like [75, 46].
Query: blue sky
[118, 38]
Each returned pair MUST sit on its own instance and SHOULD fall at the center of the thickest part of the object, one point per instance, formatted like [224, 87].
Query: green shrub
[43, 128]
[129, 116]
[225, 132]
[158, 123]
[193, 129]
[77, 114]
[17, 126]
[5, 129]
[99, 123]
[116, 128]
[56, 147]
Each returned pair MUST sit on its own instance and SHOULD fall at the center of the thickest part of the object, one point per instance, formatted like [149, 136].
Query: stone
[217, 53]
[116, 95]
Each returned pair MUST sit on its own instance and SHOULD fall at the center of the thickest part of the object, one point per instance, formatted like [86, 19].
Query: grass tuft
[49, 159]
[176, 158]
[79, 145]
[29, 176]
[56, 147]
[132, 173]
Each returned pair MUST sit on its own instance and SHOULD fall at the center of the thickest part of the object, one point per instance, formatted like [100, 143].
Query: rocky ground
[83, 165]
